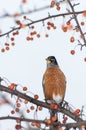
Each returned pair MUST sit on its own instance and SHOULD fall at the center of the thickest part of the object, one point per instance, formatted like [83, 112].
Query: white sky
[25, 63]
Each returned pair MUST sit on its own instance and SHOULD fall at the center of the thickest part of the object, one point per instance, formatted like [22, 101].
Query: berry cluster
[55, 4]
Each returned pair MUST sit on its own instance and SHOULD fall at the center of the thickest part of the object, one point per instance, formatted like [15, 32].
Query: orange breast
[54, 83]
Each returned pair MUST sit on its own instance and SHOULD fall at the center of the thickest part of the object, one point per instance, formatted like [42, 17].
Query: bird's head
[51, 61]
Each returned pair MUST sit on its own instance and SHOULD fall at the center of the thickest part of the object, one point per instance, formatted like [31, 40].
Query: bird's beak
[48, 61]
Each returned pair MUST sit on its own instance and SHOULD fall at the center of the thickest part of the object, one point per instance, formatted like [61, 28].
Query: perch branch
[40, 103]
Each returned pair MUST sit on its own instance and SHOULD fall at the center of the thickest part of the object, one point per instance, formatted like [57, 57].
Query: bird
[54, 82]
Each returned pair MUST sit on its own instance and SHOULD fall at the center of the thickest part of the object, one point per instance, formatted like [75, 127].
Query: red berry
[18, 104]
[38, 125]
[84, 13]
[48, 121]
[2, 50]
[52, 3]
[24, 88]
[68, 22]
[72, 52]
[36, 96]
[17, 109]
[27, 110]
[65, 119]
[77, 112]
[12, 39]
[85, 59]
[32, 107]
[72, 39]
[17, 127]
[33, 123]
[40, 108]
[53, 118]
[12, 112]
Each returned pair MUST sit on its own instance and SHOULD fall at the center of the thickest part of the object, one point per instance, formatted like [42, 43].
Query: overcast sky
[25, 63]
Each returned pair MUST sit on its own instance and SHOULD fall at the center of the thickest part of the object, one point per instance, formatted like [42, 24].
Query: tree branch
[76, 20]
[24, 13]
[67, 125]
[40, 103]
[21, 119]
[41, 20]
[75, 125]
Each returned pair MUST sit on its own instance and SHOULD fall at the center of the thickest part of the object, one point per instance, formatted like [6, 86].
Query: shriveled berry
[72, 39]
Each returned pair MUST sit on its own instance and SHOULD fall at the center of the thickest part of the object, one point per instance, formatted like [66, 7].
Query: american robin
[54, 82]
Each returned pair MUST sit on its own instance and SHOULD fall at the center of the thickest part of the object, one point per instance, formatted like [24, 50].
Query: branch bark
[40, 103]
[25, 13]
[77, 22]
[67, 125]
[42, 20]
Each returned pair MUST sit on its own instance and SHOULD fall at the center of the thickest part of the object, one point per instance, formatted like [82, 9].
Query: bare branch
[40, 103]
[75, 125]
[76, 20]
[41, 20]
[21, 119]
[67, 125]
[25, 13]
